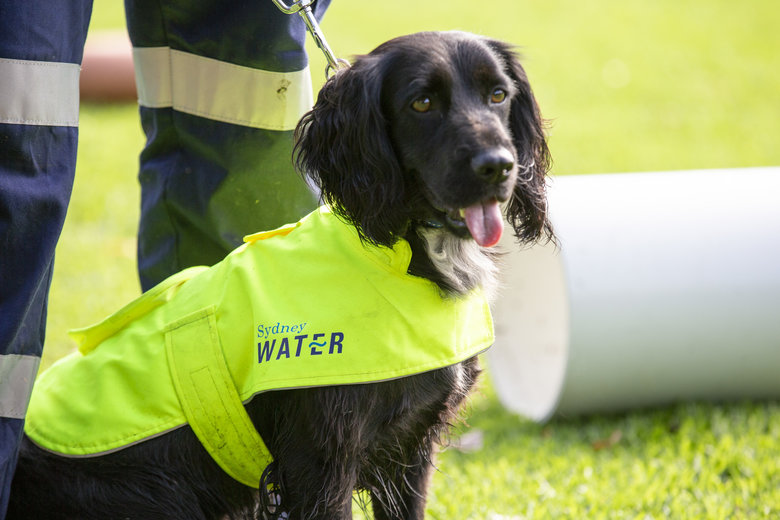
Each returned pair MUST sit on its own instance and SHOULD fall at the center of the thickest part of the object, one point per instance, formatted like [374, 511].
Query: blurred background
[626, 86]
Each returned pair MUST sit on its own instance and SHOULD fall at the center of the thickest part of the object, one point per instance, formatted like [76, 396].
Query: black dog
[420, 140]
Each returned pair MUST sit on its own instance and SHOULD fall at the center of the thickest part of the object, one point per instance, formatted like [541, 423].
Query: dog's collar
[442, 221]
[431, 223]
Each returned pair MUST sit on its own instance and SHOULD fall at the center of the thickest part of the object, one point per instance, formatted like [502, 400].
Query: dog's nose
[494, 164]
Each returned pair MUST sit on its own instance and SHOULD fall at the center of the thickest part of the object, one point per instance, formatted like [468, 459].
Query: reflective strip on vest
[219, 90]
[39, 93]
[17, 374]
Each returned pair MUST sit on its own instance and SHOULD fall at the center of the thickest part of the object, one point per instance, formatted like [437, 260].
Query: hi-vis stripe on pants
[221, 91]
[39, 93]
[17, 374]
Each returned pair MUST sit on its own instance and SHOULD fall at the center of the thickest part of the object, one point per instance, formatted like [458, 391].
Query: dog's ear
[527, 210]
[343, 145]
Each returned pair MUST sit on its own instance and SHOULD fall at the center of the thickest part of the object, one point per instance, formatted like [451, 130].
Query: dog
[427, 140]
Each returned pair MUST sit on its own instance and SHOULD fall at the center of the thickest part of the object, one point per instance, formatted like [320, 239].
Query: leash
[303, 8]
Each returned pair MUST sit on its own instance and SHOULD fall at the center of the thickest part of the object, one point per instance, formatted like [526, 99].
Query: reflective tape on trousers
[219, 90]
[39, 93]
[17, 374]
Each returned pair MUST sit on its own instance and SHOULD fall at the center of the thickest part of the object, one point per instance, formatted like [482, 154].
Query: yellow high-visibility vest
[305, 305]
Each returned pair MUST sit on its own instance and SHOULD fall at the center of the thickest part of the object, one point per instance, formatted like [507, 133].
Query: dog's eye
[422, 104]
[498, 96]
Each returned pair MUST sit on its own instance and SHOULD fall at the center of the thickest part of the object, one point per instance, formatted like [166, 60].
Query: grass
[627, 86]
[689, 461]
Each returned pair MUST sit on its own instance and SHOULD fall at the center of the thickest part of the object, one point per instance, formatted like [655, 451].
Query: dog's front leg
[409, 489]
[316, 436]
[323, 496]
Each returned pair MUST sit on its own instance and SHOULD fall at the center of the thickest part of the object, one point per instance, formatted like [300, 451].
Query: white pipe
[665, 287]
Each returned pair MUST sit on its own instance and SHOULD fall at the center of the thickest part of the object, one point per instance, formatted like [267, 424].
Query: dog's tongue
[484, 222]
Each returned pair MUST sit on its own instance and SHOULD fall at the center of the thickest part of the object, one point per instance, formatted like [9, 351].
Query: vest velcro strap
[210, 400]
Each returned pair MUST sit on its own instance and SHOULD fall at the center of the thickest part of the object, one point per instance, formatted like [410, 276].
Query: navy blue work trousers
[207, 176]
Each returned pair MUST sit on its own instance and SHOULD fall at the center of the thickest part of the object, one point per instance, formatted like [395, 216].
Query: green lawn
[627, 86]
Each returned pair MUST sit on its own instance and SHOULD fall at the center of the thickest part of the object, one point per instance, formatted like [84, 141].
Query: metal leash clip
[303, 8]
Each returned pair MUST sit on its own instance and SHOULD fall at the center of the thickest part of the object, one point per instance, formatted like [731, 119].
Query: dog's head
[430, 129]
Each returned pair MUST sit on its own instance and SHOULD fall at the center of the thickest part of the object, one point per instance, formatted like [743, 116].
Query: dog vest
[306, 305]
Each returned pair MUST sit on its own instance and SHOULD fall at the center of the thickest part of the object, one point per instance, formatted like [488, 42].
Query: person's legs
[41, 45]
[221, 86]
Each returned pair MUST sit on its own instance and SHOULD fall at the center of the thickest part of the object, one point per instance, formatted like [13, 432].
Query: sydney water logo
[288, 341]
